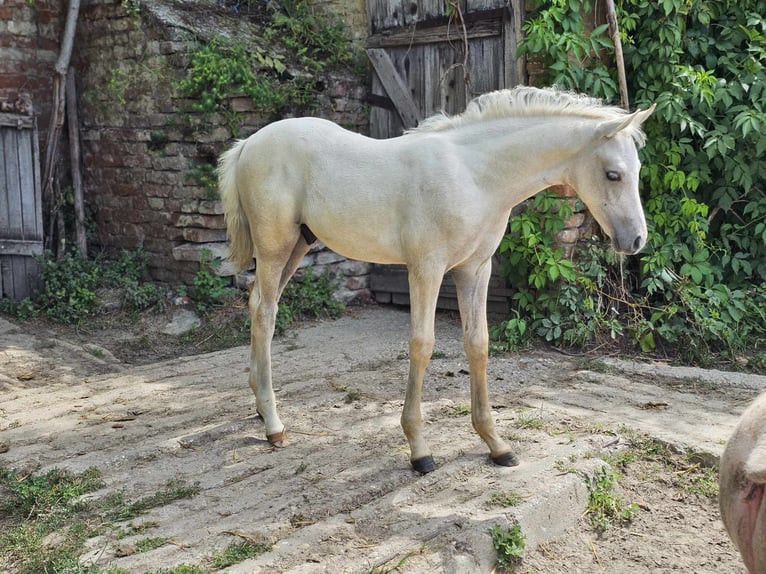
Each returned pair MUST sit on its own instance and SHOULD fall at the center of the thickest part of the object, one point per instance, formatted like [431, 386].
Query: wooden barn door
[435, 55]
[21, 225]
[431, 56]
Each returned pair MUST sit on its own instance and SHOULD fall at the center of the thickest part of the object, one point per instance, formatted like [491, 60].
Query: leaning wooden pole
[58, 113]
[614, 32]
[74, 159]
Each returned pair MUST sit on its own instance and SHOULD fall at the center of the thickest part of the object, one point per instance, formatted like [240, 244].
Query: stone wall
[146, 155]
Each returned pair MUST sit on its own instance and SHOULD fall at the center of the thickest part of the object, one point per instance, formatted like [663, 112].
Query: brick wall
[141, 144]
[29, 46]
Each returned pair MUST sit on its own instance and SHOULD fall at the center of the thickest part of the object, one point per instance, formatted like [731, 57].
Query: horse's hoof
[424, 465]
[277, 439]
[505, 459]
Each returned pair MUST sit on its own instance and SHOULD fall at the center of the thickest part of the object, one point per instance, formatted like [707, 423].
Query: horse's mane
[527, 101]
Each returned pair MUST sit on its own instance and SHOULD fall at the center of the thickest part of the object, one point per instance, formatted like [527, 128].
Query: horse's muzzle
[629, 245]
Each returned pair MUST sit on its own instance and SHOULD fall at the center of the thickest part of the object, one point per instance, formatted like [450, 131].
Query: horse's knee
[421, 347]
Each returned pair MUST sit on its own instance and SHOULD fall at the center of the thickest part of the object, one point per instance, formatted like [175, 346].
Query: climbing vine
[698, 288]
[301, 44]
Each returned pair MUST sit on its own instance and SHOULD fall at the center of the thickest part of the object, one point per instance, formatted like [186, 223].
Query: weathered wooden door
[435, 55]
[21, 221]
[431, 56]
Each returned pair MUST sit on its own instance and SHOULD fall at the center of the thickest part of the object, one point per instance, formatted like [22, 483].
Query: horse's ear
[609, 128]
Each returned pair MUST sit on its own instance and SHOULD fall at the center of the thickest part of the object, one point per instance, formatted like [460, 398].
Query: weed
[352, 397]
[604, 506]
[460, 410]
[43, 495]
[438, 354]
[174, 490]
[181, 569]
[530, 421]
[237, 552]
[509, 544]
[395, 564]
[698, 480]
[307, 296]
[506, 499]
[149, 544]
[205, 175]
[34, 507]
[316, 41]
[565, 466]
[70, 286]
[208, 288]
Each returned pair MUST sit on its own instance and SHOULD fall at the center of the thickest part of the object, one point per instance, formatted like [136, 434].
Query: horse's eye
[613, 176]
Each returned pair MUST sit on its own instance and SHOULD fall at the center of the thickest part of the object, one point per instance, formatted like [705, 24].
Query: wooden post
[74, 157]
[58, 113]
[614, 32]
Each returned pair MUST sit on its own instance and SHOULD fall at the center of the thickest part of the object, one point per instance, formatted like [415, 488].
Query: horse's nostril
[638, 243]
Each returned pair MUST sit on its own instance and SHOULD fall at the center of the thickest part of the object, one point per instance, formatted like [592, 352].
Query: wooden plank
[445, 33]
[384, 123]
[4, 221]
[16, 121]
[27, 248]
[12, 184]
[514, 72]
[394, 87]
[29, 206]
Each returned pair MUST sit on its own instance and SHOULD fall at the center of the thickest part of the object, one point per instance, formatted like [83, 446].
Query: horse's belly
[361, 246]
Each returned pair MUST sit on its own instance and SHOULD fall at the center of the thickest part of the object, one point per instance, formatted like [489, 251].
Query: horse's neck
[517, 157]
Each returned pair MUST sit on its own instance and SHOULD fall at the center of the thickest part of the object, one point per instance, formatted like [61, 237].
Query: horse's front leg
[263, 310]
[472, 282]
[424, 290]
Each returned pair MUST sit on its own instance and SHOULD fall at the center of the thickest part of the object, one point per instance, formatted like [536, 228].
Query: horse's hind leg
[472, 282]
[272, 271]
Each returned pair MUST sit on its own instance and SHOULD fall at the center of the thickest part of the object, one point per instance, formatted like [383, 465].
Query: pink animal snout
[742, 485]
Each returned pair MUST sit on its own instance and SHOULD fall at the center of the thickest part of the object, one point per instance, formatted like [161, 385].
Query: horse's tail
[237, 225]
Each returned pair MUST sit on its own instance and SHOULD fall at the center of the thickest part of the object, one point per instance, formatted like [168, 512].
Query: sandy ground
[342, 496]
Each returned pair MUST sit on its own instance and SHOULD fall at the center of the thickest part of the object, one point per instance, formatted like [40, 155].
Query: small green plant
[69, 287]
[460, 410]
[317, 41]
[117, 85]
[307, 296]
[71, 283]
[132, 7]
[353, 397]
[149, 544]
[605, 508]
[205, 174]
[39, 495]
[221, 69]
[509, 544]
[530, 420]
[181, 569]
[120, 509]
[238, 552]
[506, 498]
[208, 288]
[34, 505]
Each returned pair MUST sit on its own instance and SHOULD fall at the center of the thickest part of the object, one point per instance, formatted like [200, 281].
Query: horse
[436, 199]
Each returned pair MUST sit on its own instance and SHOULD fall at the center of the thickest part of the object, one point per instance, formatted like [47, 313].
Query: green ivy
[698, 287]
[223, 69]
[70, 287]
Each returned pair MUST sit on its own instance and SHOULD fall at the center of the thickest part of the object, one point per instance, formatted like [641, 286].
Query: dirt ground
[342, 497]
